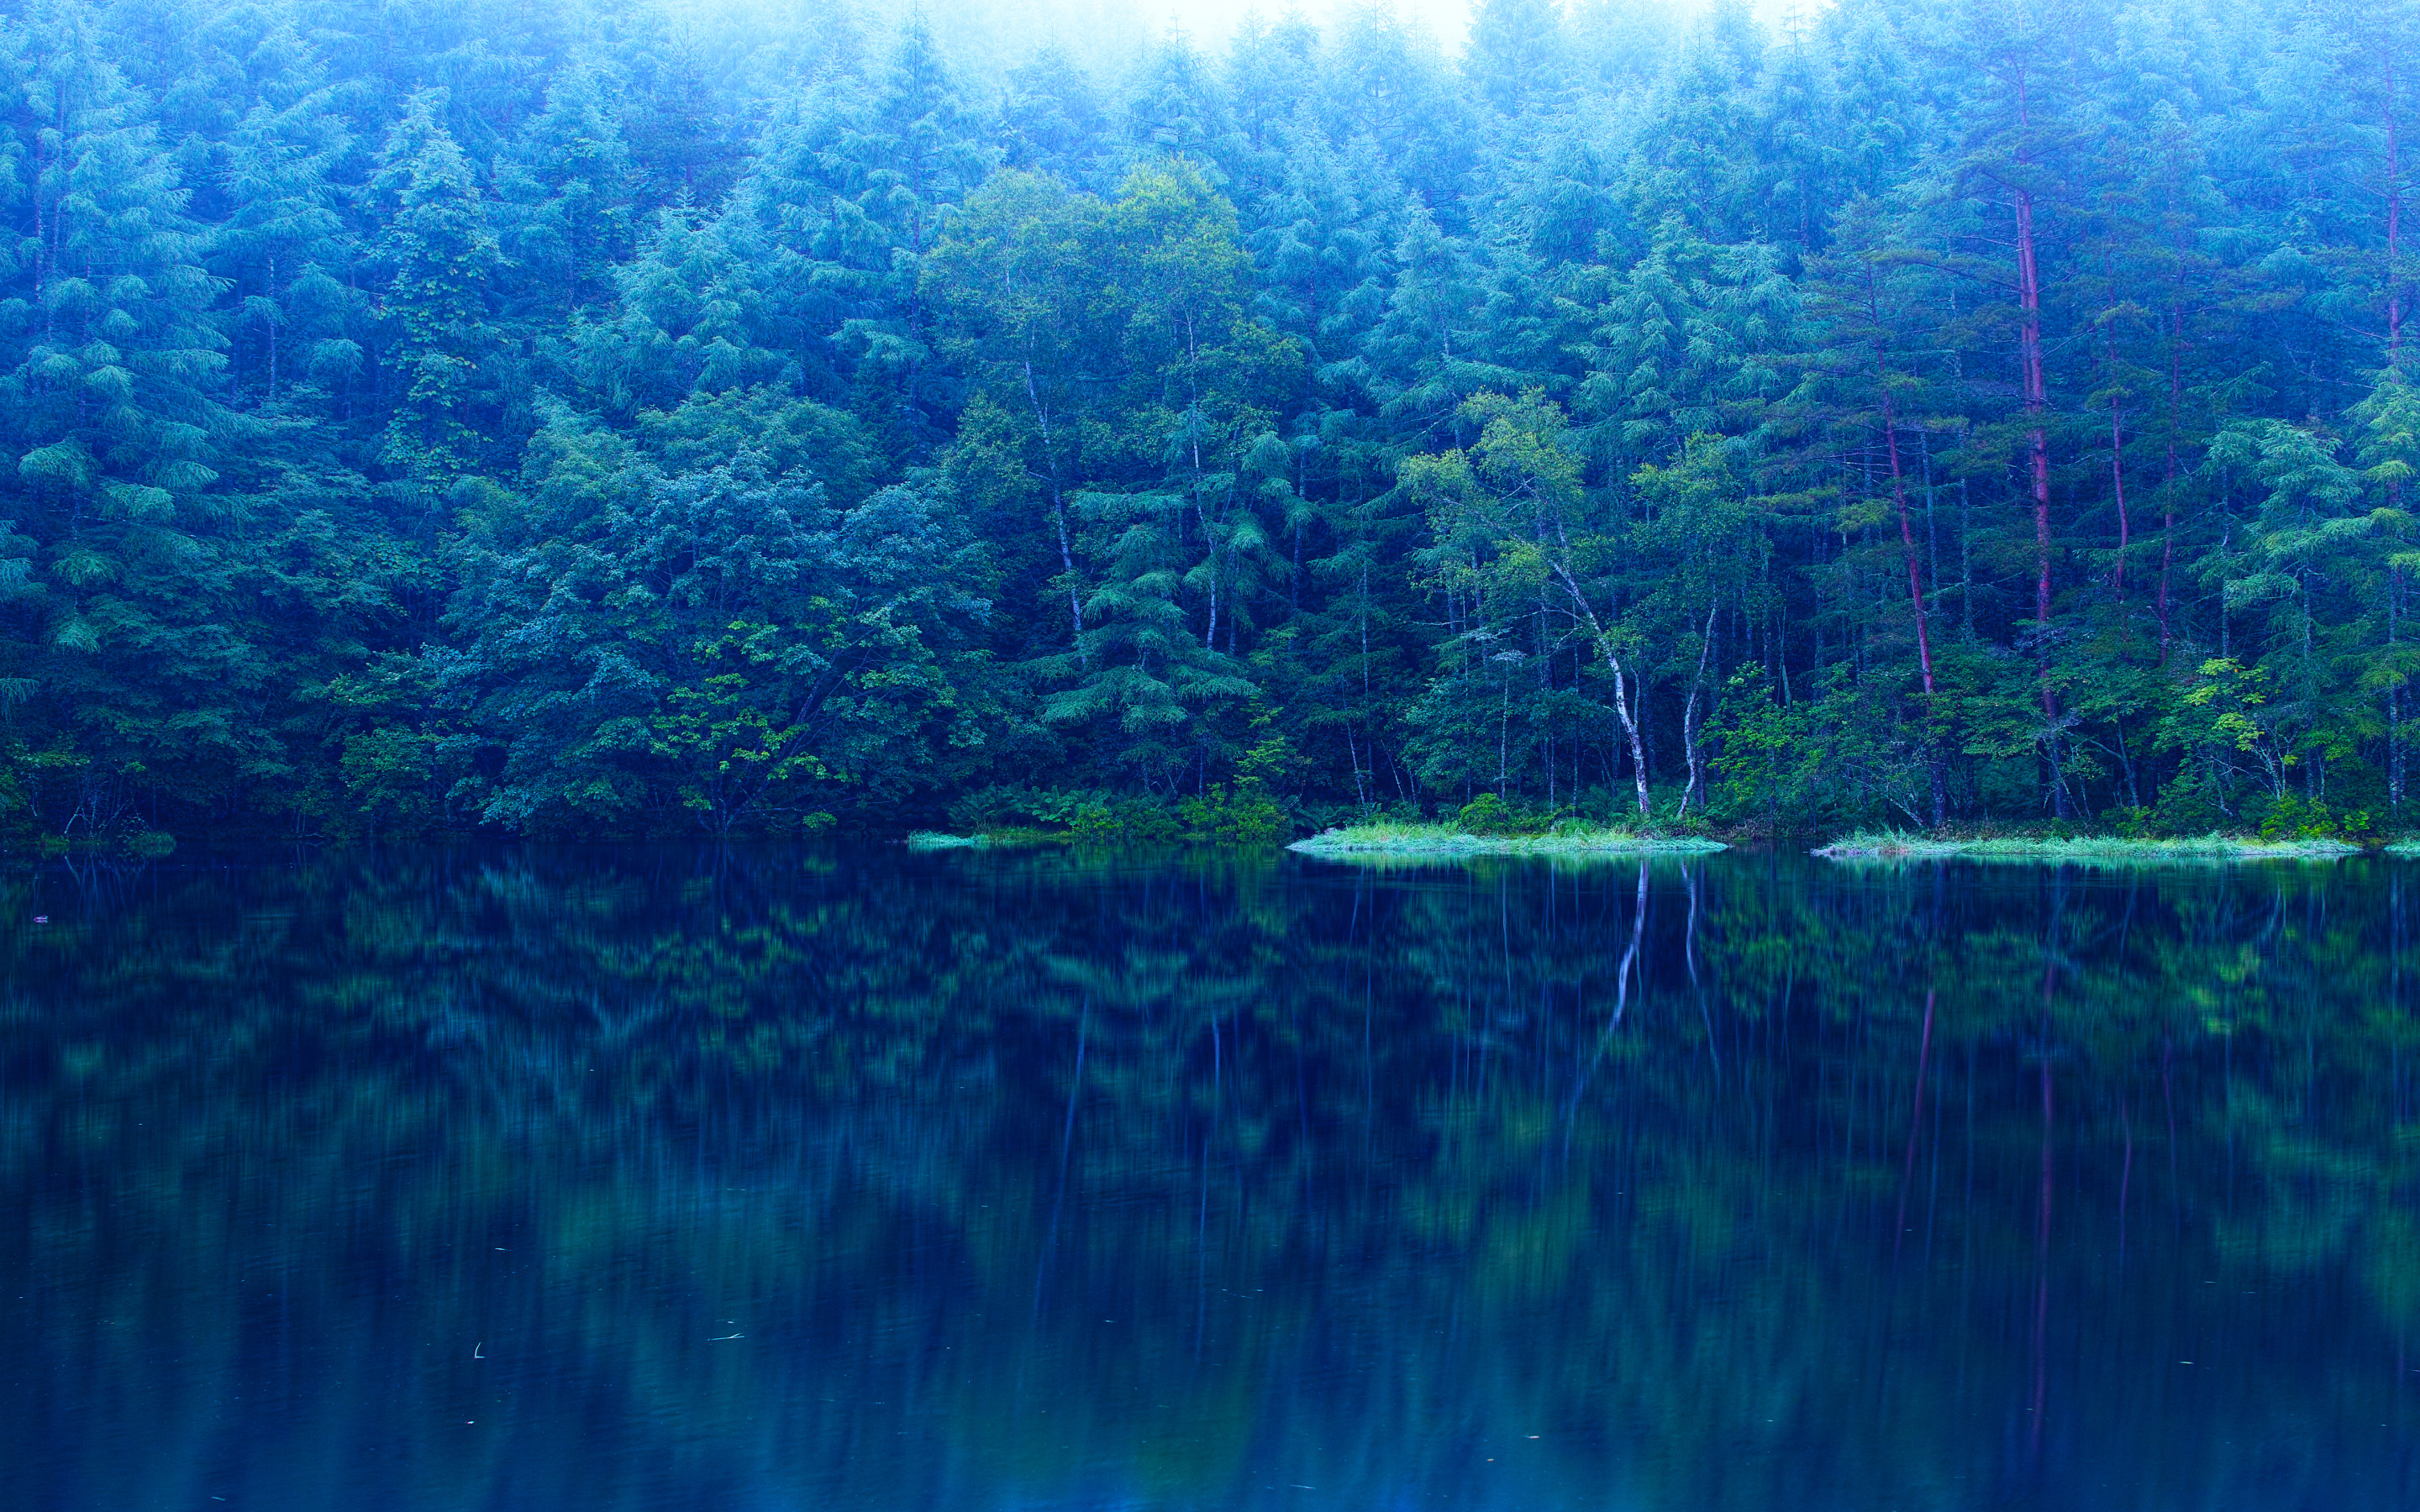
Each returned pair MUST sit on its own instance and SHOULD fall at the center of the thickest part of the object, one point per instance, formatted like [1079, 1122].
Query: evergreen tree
[568, 188]
[444, 351]
[529, 415]
[137, 690]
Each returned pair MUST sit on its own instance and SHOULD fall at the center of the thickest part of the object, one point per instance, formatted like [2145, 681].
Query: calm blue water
[672, 1180]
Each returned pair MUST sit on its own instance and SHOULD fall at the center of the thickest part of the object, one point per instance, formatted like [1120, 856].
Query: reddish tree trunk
[2394, 487]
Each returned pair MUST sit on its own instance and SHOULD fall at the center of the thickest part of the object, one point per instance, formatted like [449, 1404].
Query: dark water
[667, 1180]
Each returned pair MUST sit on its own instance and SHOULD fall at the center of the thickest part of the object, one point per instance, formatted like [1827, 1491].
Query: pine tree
[113, 379]
[282, 243]
[1053, 120]
[569, 188]
[1515, 55]
[443, 256]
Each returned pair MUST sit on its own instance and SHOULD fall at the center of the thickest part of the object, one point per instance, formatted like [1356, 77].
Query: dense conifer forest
[574, 418]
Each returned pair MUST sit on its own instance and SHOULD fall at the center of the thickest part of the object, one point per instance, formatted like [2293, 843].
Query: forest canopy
[580, 419]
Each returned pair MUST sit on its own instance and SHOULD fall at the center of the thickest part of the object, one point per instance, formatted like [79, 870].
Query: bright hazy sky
[1444, 20]
[1104, 33]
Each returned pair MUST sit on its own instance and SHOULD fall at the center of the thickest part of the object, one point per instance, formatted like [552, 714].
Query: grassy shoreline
[2089, 850]
[1417, 842]
[992, 840]
[1412, 841]
[933, 840]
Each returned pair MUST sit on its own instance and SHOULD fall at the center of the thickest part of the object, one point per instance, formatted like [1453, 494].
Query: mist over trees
[580, 418]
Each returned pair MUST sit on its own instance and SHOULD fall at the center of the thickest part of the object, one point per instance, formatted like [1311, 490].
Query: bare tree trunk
[1689, 712]
[1058, 518]
[1622, 687]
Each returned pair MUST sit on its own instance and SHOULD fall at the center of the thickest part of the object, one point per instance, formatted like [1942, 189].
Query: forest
[575, 418]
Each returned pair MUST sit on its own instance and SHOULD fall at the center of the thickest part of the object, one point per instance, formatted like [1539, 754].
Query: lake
[671, 1178]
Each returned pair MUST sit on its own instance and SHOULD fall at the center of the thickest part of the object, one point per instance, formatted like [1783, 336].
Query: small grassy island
[1409, 840]
[1892, 845]
[933, 840]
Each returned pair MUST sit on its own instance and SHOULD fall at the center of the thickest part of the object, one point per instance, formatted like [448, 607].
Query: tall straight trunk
[2394, 696]
[1907, 548]
[2168, 483]
[1899, 498]
[2029, 352]
[2037, 436]
[2394, 486]
[2116, 466]
[1689, 712]
[2118, 483]
[2393, 248]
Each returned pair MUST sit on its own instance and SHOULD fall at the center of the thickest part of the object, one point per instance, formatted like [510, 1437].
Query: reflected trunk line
[1621, 999]
[1689, 954]
[1067, 1149]
[2125, 1180]
[2167, 1097]
[1915, 1124]
[2040, 1348]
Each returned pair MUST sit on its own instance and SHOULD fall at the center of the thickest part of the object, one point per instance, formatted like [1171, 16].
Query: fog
[986, 37]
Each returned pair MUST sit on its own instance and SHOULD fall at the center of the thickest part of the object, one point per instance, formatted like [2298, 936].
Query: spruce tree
[443, 351]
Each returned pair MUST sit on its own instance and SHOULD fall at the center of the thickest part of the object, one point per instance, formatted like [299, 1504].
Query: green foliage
[559, 422]
[2290, 818]
[444, 254]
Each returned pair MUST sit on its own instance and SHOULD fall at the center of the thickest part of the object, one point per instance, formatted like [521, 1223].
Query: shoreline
[1416, 842]
[2086, 850]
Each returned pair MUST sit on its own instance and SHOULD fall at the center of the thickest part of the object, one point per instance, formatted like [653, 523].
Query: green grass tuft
[1418, 841]
[1894, 845]
[1002, 839]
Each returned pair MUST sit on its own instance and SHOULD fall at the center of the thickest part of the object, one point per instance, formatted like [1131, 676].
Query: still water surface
[670, 1180]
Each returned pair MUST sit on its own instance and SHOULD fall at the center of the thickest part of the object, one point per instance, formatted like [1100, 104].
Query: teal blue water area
[758, 1179]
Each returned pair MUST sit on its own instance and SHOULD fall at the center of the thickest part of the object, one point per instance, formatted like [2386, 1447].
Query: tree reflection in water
[641, 1179]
